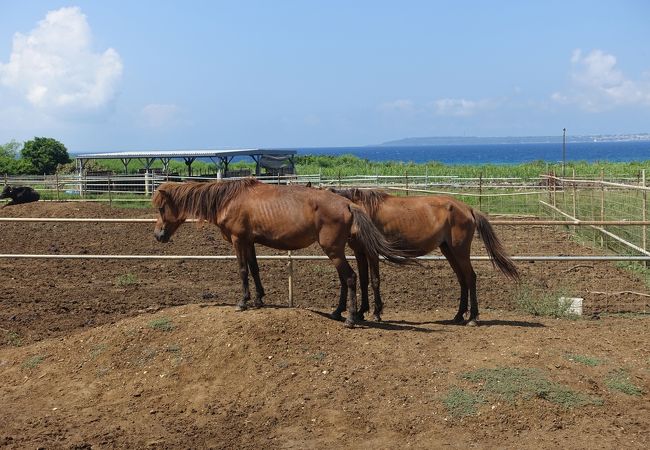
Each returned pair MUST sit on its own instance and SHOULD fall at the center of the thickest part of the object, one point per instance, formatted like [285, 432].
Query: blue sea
[496, 153]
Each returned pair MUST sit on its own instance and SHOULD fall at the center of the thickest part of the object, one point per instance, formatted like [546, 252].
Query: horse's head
[347, 193]
[6, 192]
[169, 218]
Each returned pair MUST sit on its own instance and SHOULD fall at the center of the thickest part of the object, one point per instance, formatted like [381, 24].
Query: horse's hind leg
[453, 262]
[241, 250]
[255, 272]
[374, 281]
[465, 264]
[362, 266]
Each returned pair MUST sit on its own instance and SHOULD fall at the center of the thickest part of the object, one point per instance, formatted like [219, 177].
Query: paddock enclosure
[150, 353]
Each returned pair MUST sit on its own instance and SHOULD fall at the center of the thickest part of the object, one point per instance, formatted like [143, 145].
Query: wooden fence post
[602, 202]
[290, 270]
[644, 210]
[575, 201]
[480, 190]
[406, 181]
[56, 180]
[110, 193]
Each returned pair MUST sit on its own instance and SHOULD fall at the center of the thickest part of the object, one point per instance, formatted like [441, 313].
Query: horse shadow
[384, 325]
[496, 323]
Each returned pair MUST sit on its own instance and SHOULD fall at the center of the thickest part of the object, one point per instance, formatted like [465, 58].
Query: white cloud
[460, 107]
[401, 105]
[161, 115]
[597, 84]
[55, 69]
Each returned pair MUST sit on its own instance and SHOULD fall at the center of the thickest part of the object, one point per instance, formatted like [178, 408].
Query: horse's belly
[286, 240]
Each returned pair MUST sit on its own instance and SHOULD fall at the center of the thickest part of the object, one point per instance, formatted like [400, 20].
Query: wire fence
[605, 212]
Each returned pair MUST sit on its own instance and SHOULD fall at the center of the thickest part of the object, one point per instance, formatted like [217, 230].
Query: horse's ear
[159, 196]
[308, 184]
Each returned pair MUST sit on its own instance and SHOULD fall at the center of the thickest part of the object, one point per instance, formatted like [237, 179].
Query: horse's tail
[374, 243]
[495, 249]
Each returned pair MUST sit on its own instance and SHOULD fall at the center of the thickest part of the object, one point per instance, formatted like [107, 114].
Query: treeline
[38, 156]
[47, 155]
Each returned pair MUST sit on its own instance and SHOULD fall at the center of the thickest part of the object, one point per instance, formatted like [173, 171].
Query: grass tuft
[33, 362]
[14, 339]
[619, 380]
[586, 360]
[128, 279]
[544, 303]
[510, 383]
[461, 403]
[162, 324]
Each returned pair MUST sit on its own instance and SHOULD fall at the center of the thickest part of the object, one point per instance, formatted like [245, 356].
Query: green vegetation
[13, 339]
[619, 380]
[542, 302]
[127, 280]
[461, 403]
[45, 154]
[38, 156]
[33, 362]
[510, 383]
[318, 356]
[162, 324]
[586, 360]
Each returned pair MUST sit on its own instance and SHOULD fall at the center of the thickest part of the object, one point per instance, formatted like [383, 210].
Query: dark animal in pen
[18, 195]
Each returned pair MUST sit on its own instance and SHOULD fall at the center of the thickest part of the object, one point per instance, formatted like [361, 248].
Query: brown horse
[419, 225]
[282, 217]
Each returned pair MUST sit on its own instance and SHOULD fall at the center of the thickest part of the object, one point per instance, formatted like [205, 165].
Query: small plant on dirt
[619, 380]
[510, 383]
[162, 324]
[14, 339]
[461, 403]
[97, 350]
[318, 356]
[586, 360]
[544, 303]
[33, 362]
[128, 279]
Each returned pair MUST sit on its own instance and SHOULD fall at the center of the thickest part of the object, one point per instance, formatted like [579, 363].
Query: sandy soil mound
[207, 376]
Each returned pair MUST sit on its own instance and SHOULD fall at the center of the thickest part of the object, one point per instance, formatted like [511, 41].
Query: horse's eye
[162, 210]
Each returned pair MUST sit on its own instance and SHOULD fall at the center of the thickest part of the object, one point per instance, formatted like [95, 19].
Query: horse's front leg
[255, 272]
[242, 261]
[343, 297]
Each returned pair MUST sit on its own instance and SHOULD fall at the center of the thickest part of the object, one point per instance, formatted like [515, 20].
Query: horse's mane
[369, 198]
[201, 200]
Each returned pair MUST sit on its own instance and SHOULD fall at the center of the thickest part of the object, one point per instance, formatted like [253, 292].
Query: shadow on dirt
[496, 323]
[388, 326]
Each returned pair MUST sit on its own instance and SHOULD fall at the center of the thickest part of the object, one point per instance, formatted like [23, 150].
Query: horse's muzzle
[161, 236]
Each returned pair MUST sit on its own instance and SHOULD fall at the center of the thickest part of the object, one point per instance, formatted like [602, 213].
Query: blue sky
[148, 75]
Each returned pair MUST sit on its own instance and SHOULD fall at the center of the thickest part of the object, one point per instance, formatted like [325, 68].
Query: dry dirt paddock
[136, 354]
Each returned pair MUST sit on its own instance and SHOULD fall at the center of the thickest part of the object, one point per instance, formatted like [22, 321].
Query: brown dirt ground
[81, 366]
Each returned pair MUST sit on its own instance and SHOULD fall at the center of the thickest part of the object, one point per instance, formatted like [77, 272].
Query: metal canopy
[225, 156]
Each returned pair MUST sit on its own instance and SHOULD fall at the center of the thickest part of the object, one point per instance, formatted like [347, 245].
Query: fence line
[572, 222]
[293, 257]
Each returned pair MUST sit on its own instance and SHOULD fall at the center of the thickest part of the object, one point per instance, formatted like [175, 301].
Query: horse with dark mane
[18, 195]
[282, 217]
[418, 225]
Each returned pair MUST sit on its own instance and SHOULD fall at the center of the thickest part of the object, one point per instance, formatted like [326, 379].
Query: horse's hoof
[472, 323]
[359, 318]
[241, 307]
[259, 304]
[377, 318]
[458, 320]
[349, 323]
[336, 316]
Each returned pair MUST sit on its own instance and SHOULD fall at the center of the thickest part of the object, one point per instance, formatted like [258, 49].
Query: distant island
[477, 140]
